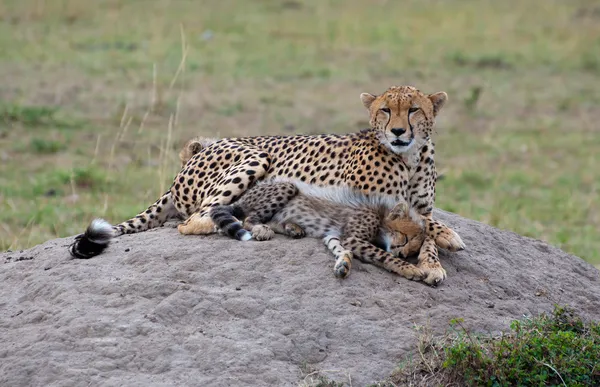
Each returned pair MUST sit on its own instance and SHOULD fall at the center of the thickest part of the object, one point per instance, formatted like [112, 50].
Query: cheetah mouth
[401, 142]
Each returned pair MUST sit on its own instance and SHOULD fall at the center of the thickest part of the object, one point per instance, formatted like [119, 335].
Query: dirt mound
[159, 308]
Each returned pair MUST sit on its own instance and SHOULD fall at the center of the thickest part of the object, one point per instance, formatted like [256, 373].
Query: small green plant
[33, 116]
[315, 378]
[473, 97]
[28, 115]
[481, 61]
[230, 109]
[88, 177]
[590, 61]
[40, 145]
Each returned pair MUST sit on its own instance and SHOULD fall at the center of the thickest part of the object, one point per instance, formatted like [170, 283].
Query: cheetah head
[405, 230]
[403, 115]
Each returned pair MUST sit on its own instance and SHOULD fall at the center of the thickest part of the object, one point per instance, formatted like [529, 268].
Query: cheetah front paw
[433, 275]
[262, 232]
[343, 265]
[448, 239]
[294, 231]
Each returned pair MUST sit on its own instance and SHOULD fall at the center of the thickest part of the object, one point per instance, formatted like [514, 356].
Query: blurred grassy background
[97, 97]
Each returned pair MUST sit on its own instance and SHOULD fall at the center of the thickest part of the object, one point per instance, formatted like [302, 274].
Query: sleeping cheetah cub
[349, 222]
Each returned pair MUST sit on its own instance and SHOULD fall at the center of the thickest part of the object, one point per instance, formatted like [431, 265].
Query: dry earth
[162, 309]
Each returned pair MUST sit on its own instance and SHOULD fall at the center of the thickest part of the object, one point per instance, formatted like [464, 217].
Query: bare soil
[159, 308]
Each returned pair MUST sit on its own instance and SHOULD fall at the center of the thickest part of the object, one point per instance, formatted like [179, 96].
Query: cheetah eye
[386, 110]
[412, 110]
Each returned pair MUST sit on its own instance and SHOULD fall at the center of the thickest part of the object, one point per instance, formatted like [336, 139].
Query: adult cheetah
[394, 157]
[349, 222]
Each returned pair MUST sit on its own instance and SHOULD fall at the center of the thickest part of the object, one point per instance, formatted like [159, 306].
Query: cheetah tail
[99, 233]
[93, 241]
[225, 219]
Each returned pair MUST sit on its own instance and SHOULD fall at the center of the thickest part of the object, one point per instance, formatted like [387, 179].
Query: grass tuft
[28, 115]
[46, 146]
[556, 349]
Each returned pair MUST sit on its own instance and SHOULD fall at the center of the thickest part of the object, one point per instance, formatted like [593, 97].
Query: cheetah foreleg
[343, 258]
[444, 236]
[429, 263]
[370, 253]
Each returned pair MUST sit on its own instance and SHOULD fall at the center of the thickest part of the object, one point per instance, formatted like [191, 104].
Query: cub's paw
[405, 269]
[343, 265]
[448, 239]
[294, 231]
[413, 273]
[262, 232]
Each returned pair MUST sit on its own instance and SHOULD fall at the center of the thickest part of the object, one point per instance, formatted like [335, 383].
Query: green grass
[94, 87]
[556, 349]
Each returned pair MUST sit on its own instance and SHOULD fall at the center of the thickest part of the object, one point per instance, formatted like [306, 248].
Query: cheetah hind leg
[239, 178]
[343, 257]
[199, 223]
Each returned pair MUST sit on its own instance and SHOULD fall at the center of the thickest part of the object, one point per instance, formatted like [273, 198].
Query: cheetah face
[407, 242]
[405, 231]
[403, 115]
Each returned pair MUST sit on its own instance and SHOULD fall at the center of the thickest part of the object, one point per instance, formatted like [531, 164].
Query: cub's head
[194, 146]
[403, 115]
[406, 230]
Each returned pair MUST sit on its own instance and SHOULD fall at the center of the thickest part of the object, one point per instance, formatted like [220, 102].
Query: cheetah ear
[367, 99]
[195, 147]
[438, 100]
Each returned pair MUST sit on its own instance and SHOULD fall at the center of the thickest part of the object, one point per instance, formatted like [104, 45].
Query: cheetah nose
[398, 131]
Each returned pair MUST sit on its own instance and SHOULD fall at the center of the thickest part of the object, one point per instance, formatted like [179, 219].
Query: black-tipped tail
[93, 242]
[223, 217]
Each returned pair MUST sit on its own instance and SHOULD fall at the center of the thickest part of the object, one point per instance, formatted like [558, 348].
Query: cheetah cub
[194, 146]
[349, 222]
